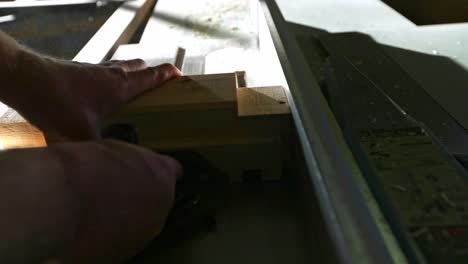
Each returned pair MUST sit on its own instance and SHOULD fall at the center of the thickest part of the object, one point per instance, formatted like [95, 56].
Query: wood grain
[188, 93]
[254, 101]
[16, 132]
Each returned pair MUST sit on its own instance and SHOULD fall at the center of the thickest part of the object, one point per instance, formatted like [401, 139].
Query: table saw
[338, 129]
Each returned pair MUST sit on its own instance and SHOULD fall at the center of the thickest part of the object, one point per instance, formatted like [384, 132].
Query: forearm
[39, 208]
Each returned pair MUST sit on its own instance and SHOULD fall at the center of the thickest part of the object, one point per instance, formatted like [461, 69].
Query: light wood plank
[118, 29]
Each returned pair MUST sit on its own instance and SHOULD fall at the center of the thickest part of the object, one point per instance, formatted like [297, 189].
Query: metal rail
[332, 168]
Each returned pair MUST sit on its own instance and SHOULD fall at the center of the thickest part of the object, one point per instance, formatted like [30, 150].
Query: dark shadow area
[258, 224]
[402, 114]
[58, 31]
[441, 77]
[428, 12]
[422, 82]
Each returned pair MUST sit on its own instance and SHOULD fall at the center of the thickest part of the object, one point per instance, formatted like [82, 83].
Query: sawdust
[206, 25]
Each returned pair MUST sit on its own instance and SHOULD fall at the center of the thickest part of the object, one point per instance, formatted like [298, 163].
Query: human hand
[86, 202]
[126, 193]
[67, 100]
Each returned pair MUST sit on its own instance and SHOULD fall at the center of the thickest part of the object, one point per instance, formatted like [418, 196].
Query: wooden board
[188, 112]
[202, 93]
[188, 93]
[239, 130]
[204, 110]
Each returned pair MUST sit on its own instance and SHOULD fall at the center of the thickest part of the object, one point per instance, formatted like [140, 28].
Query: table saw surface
[225, 35]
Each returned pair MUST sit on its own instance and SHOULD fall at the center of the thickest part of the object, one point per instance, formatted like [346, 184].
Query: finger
[133, 65]
[110, 62]
[151, 77]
